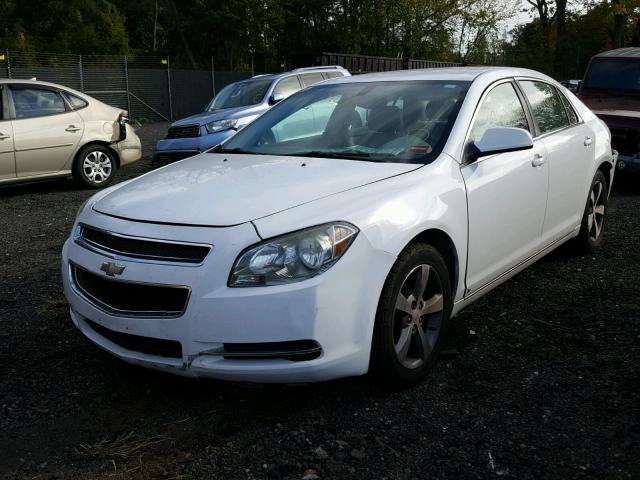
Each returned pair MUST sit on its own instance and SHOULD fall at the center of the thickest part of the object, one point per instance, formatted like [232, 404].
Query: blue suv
[235, 106]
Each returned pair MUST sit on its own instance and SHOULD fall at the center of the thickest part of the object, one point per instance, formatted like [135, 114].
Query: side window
[309, 79]
[32, 102]
[287, 86]
[75, 101]
[501, 107]
[309, 121]
[332, 74]
[573, 117]
[546, 106]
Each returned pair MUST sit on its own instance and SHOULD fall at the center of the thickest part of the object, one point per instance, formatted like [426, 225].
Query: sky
[519, 17]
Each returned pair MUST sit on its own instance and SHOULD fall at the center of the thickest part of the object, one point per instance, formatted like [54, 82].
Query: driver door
[506, 193]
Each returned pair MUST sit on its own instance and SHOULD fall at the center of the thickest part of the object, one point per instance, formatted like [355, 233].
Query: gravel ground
[541, 380]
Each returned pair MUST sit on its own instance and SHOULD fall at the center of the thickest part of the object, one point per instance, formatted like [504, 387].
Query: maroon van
[611, 89]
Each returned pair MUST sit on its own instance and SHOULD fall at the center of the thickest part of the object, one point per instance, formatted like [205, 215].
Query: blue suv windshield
[407, 122]
[240, 94]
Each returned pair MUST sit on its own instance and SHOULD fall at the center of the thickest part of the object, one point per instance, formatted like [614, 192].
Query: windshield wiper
[234, 150]
[344, 155]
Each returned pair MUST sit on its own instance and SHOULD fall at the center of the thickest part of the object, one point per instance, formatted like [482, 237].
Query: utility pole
[155, 26]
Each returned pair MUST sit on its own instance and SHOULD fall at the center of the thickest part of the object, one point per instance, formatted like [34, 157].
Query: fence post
[213, 76]
[169, 87]
[81, 73]
[126, 81]
[8, 65]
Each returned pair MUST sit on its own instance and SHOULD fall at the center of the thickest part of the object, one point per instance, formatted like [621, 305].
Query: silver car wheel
[97, 167]
[595, 212]
[418, 316]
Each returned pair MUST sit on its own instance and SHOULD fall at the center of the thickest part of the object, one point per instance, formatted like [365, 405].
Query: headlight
[293, 257]
[220, 125]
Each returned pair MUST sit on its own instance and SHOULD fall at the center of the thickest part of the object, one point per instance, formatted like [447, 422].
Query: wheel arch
[444, 244]
[101, 143]
[606, 168]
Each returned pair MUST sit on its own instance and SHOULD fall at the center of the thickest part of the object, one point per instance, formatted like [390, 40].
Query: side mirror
[275, 98]
[499, 140]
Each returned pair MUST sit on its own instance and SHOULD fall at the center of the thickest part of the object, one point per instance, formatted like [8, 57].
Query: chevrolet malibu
[296, 254]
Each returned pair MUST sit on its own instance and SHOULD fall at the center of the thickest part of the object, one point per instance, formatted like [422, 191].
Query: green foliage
[77, 26]
[235, 32]
[595, 28]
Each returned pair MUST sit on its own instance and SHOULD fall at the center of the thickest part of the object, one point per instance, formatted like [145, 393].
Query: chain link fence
[148, 87]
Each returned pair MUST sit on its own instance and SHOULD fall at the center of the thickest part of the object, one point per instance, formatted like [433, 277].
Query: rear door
[7, 158]
[570, 155]
[506, 193]
[46, 130]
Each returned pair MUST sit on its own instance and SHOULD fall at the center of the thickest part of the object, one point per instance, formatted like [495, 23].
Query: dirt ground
[541, 380]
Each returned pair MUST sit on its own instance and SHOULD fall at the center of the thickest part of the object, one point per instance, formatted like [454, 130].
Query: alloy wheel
[418, 316]
[595, 212]
[97, 167]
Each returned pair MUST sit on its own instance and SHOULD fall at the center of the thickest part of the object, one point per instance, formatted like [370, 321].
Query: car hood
[207, 117]
[223, 190]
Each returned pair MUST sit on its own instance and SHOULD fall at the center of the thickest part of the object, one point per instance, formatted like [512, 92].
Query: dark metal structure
[148, 87]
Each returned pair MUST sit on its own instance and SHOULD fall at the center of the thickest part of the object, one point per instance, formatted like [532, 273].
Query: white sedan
[287, 256]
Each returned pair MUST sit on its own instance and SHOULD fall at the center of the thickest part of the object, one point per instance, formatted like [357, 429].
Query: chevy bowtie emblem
[112, 269]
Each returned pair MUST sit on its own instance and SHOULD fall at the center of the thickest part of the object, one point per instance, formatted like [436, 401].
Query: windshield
[613, 75]
[405, 122]
[240, 94]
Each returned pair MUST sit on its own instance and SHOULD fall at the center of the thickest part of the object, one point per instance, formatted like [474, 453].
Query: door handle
[538, 160]
[72, 128]
[4, 136]
[587, 141]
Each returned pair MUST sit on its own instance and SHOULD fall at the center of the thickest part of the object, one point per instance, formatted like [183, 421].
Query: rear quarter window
[571, 113]
[75, 101]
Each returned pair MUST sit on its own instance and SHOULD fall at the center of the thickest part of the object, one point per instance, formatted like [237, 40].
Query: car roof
[450, 73]
[34, 82]
[630, 52]
[298, 71]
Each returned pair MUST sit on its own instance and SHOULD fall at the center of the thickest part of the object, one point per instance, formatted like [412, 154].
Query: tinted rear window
[622, 74]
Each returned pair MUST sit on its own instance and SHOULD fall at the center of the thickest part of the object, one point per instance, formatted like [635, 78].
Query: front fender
[391, 212]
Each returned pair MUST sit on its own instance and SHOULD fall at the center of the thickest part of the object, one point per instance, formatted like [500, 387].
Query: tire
[591, 232]
[94, 166]
[399, 319]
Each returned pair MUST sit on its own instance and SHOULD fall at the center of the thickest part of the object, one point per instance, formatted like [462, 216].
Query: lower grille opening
[130, 298]
[137, 343]
[295, 350]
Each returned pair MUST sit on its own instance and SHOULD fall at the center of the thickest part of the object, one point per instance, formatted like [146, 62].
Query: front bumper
[172, 149]
[335, 310]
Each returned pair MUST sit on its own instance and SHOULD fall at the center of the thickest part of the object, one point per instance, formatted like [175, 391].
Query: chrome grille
[143, 248]
[185, 131]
